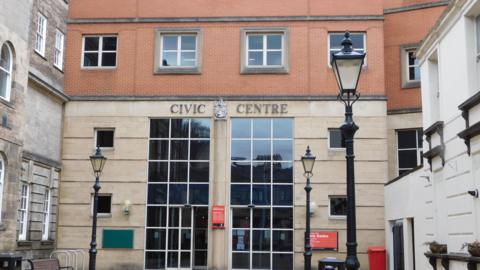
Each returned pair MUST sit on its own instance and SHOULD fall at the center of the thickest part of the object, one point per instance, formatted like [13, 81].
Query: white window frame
[2, 181]
[41, 34]
[8, 72]
[477, 38]
[264, 49]
[419, 150]
[23, 211]
[104, 215]
[330, 216]
[178, 50]
[100, 52]
[328, 140]
[96, 134]
[408, 66]
[354, 48]
[46, 214]
[58, 51]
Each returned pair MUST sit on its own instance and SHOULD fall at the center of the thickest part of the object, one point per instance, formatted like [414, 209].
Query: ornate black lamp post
[347, 66]
[308, 160]
[98, 161]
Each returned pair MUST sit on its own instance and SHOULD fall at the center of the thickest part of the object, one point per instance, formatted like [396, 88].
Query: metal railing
[75, 258]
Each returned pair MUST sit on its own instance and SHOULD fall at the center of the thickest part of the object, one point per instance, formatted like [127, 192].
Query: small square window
[264, 51]
[336, 139]
[338, 206]
[104, 138]
[99, 51]
[104, 206]
[335, 44]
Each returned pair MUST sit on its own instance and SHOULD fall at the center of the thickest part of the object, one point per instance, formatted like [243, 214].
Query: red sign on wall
[324, 240]
[218, 216]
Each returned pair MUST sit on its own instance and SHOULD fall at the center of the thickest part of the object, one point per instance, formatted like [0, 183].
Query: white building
[437, 201]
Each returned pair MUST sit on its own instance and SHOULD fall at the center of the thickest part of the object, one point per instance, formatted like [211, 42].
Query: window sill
[24, 243]
[47, 242]
[41, 55]
[102, 216]
[7, 103]
[98, 68]
[409, 85]
[264, 70]
[58, 68]
[337, 217]
[177, 70]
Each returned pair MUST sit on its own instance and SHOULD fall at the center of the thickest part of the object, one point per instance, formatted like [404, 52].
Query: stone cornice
[416, 7]
[226, 19]
[226, 98]
[48, 87]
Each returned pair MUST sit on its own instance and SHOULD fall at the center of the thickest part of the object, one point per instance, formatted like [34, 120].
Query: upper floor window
[410, 67]
[6, 65]
[264, 51]
[58, 55]
[413, 70]
[410, 149]
[178, 51]
[99, 51]
[41, 34]
[335, 43]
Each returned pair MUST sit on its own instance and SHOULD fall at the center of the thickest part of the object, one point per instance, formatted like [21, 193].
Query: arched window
[2, 176]
[6, 64]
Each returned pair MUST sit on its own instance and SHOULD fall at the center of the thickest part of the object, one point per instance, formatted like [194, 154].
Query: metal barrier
[75, 258]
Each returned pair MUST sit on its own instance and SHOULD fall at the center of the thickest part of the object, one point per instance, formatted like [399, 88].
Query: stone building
[203, 105]
[14, 26]
[32, 108]
[439, 200]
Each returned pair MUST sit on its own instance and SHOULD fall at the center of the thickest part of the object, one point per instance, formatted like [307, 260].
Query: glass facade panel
[178, 194]
[261, 193]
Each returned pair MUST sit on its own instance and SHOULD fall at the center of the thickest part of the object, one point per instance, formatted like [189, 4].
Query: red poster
[218, 216]
[324, 240]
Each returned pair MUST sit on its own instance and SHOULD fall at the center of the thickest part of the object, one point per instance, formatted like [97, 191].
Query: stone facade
[14, 26]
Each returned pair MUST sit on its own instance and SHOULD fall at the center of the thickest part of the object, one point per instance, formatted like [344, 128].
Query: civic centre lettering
[187, 108]
[251, 108]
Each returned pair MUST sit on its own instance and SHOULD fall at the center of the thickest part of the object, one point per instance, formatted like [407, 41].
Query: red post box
[377, 258]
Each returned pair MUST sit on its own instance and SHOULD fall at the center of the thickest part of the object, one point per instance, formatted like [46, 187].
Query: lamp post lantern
[98, 161]
[347, 66]
[308, 160]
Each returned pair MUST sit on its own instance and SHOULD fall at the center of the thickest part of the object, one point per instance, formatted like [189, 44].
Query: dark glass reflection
[90, 59]
[198, 194]
[241, 128]
[261, 194]
[185, 259]
[159, 128]
[241, 218]
[172, 239]
[282, 240]
[240, 240]
[261, 150]
[157, 172]
[282, 261]
[201, 239]
[261, 218]
[159, 149]
[109, 59]
[91, 43]
[240, 172]
[199, 150]
[261, 172]
[282, 195]
[156, 216]
[199, 172]
[241, 150]
[185, 239]
[186, 217]
[241, 260]
[283, 172]
[200, 128]
[261, 240]
[407, 139]
[240, 194]
[157, 194]
[178, 171]
[179, 150]
[282, 150]
[338, 206]
[178, 194]
[155, 260]
[200, 258]
[201, 217]
[282, 218]
[110, 43]
[179, 128]
[172, 259]
[407, 158]
[261, 261]
[174, 217]
[156, 238]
